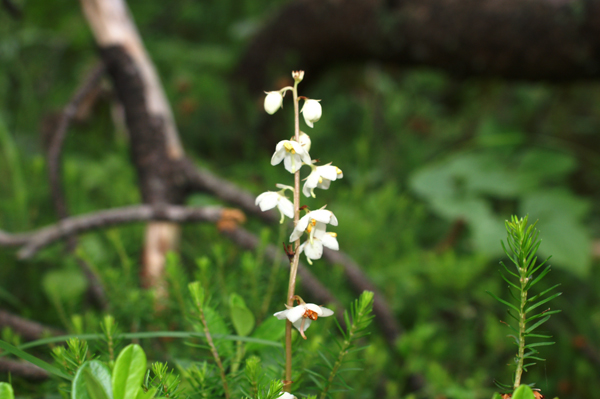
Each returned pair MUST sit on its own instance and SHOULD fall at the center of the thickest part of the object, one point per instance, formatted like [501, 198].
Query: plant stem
[294, 264]
[214, 351]
[343, 353]
[522, 316]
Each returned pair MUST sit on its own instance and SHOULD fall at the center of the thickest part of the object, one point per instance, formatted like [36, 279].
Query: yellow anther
[310, 226]
[338, 170]
[289, 148]
[320, 180]
[333, 234]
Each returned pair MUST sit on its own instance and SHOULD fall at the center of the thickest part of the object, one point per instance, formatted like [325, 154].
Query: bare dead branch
[30, 330]
[34, 241]
[55, 147]
[23, 369]
[58, 137]
[203, 180]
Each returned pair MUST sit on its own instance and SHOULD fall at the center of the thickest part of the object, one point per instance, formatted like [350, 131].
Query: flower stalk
[287, 387]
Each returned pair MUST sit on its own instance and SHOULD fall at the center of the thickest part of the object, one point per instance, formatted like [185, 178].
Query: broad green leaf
[241, 317]
[497, 396]
[128, 372]
[64, 285]
[92, 381]
[6, 391]
[523, 392]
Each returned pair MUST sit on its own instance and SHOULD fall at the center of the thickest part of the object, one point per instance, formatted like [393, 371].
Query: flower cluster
[295, 154]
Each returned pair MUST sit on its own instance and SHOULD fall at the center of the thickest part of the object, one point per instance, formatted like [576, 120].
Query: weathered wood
[550, 40]
[153, 134]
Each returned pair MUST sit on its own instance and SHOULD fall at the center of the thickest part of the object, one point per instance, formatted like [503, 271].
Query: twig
[58, 137]
[33, 242]
[57, 140]
[30, 330]
[23, 369]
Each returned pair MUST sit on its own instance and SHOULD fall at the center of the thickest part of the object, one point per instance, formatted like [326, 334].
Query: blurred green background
[423, 153]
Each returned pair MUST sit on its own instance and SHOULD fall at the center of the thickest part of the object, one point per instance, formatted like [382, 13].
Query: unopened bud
[311, 112]
[273, 102]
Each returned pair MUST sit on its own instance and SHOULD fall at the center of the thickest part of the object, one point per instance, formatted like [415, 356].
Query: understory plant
[250, 361]
[528, 310]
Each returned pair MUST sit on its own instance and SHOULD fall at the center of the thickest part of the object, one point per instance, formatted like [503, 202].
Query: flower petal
[281, 315]
[314, 250]
[295, 313]
[325, 216]
[268, 201]
[330, 242]
[286, 207]
[326, 312]
[315, 308]
[328, 171]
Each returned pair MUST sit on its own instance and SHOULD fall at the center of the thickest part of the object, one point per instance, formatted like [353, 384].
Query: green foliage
[523, 243]
[92, 381]
[523, 392]
[357, 322]
[6, 391]
[128, 373]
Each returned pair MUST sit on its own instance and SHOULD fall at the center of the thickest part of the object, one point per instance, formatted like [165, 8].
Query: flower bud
[273, 102]
[311, 111]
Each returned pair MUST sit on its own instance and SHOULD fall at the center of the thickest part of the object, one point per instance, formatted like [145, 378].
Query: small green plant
[523, 243]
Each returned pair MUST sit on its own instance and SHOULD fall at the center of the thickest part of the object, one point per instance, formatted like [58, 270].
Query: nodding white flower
[305, 141]
[309, 221]
[302, 315]
[311, 111]
[273, 101]
[317, 239]
[292, 154]
[286, 395]
[321, 177]
[272, 199]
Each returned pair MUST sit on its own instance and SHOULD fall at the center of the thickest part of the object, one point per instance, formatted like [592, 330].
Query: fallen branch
[54, 152]
[202, 180]
[30, 330]
[33, 242]
[23, 369]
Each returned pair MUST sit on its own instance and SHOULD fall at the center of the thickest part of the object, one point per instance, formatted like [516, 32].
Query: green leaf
[146, 395]
[241, 317]
[64, 285]
[92, 381]
[6, 391]
[497, 396]
[128, 372]
[523, 392]
[32, 359]
[504, 302]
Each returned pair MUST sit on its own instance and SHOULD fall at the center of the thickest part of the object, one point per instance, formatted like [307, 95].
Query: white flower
[273, 101]
[318, 238]
[293, 155]
[302, 315]
[311, 111]
[305, 141]
[272, 199]
[308, 222]
[321, 177]
[286, 395]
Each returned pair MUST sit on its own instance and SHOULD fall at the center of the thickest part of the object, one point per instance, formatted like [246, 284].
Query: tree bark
[550, 40]
[153, 134]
